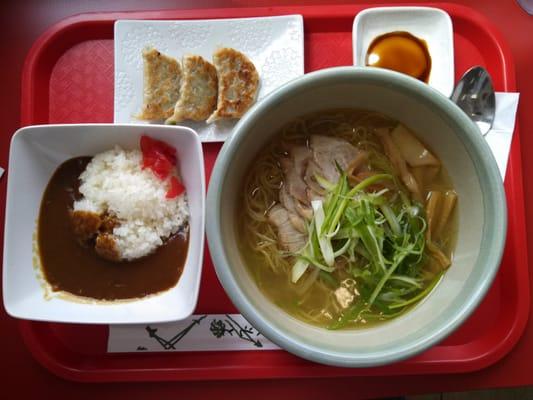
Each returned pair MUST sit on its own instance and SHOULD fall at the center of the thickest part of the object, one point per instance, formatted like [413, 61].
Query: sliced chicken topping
[327, 150]
[289, 237]
[289, 203]
[300, 187]
[287, 200]
[304, 211]
[294, 182]
[311, 172]
[298, 222]
[300, 157]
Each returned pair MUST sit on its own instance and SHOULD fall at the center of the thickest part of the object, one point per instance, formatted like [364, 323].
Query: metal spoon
[474, 94]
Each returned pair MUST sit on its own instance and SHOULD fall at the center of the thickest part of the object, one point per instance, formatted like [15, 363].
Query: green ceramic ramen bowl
[481, 206]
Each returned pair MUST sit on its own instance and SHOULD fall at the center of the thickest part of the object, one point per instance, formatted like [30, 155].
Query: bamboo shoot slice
[411, 149]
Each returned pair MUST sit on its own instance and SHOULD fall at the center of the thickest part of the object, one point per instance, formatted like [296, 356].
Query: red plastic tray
[68, 78]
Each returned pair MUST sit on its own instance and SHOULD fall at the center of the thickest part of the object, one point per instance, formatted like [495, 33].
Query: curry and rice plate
[115, 226]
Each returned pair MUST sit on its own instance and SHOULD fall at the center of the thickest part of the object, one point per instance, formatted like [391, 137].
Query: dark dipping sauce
[400, 51]
[68, 266]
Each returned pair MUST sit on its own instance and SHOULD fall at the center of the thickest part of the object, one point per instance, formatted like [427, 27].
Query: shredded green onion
[380, 242]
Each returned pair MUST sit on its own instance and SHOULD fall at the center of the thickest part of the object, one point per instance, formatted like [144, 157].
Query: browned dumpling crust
[162, 77]
[198, 90]
[238, 82]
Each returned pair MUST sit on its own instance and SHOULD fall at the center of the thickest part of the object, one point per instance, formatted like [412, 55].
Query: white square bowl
[430, 24]
[35, 154]
[274, 44]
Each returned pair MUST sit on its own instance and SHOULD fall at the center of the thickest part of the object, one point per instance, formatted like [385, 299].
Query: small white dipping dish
[430, 24]
[35, 154]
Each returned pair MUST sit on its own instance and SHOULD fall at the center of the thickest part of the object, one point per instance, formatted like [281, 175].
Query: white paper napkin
[500, 136]
[223, 332]
[213, 332]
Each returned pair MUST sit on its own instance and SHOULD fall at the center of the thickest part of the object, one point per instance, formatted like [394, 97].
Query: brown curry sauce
[70, 267]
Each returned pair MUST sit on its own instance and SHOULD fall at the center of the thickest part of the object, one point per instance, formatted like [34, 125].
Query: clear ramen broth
[347, 219]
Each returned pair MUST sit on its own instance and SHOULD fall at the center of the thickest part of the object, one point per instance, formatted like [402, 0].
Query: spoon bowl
[474, 94]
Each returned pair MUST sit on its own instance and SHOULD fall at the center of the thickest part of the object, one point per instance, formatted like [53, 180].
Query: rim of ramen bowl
[493, 232]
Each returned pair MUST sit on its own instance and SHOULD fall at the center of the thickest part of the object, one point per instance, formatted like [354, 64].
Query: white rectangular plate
[274, 44]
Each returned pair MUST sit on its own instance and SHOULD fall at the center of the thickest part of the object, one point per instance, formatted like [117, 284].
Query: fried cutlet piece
[109, 222]
[162, 76]
[106, 247]
[88, 225]
[198, 90]
[238, 82]
[85, 224]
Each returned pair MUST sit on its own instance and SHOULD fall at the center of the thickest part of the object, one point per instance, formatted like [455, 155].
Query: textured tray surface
[68, 78]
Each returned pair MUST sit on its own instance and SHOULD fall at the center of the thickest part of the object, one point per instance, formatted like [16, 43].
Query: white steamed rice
[114, 182]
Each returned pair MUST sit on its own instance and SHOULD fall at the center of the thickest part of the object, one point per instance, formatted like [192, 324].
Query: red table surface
[24, 21]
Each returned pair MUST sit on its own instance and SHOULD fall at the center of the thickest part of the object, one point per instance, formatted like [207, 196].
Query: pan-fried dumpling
[198, 91]
[238, 82]
[162, 76]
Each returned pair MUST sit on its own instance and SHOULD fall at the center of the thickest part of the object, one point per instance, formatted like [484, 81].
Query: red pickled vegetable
[151, 146]
[176, 188]
[161, 159]
[161, 168]
[158, 156]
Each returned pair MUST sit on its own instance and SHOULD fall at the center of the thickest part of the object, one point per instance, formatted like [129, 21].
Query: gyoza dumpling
[162, 76]
[238, 82]
[198, 91]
